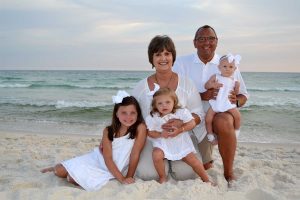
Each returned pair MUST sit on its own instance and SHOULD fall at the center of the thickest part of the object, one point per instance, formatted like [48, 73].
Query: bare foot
[214, 142]
[162, 180]
[49, 169]
[208, 165]
[231, 181]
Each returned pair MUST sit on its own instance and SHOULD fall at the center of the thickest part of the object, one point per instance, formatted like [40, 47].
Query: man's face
[206, 43]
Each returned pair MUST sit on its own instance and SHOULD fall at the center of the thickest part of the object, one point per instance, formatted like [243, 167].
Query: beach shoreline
[264, 171]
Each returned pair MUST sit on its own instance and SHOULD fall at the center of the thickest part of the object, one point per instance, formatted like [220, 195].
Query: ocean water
[79, 102]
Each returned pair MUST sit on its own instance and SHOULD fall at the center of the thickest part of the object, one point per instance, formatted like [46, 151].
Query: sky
[114, 35]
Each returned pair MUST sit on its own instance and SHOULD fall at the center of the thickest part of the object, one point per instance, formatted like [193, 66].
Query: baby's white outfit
[90, 171]
[222, 103]
[174, 148]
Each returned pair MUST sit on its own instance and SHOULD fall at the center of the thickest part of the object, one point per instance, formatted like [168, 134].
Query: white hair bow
[156, 88]
[237, 58]
[120, 96]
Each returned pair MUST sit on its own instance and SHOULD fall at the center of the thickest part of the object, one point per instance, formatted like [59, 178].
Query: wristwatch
[237, 103]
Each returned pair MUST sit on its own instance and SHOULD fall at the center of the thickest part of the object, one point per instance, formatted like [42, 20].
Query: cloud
[112, 33]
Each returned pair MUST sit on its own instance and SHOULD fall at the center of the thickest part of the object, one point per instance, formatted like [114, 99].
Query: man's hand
[209, 94]
[232, 97]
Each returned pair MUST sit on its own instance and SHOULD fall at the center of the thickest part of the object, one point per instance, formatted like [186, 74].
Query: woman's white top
[174, 148]
[188, 97]
[90, 171]
[222, 103]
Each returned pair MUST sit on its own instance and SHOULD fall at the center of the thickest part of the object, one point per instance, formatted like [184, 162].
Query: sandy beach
[264, 171]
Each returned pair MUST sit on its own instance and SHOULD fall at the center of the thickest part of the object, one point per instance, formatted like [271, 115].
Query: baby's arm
[108, 158]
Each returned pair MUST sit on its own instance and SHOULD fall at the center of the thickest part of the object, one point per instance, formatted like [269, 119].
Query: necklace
[167, 85]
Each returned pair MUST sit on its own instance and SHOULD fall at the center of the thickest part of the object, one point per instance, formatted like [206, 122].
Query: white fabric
[192, 67]
[90, 171]
[120, 96]
[222, 103]
[188, 98]
[177, 147]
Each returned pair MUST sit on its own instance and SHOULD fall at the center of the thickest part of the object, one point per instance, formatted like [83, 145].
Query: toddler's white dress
[174, 148]
[222, 103]
[90, 171]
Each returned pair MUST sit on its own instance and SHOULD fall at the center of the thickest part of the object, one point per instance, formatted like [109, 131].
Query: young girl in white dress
[122, 143]
[225, 83]
[175, 144]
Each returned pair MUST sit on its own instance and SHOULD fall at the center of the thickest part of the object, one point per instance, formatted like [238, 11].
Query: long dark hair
[115, 126]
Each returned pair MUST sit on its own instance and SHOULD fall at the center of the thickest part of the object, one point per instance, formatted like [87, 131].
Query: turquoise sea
[79, 102]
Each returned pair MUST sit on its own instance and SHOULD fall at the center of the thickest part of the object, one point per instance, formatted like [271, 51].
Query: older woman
[162, 54]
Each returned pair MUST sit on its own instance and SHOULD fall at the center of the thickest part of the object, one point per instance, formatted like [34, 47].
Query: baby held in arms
[226, 84]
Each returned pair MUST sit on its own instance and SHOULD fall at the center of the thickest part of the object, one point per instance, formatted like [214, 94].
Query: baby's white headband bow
[120, 96]
[237, 58]
[156, 88]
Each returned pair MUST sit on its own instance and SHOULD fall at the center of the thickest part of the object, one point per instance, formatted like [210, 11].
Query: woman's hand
[175, 131]
[164, 134]
[169, 126]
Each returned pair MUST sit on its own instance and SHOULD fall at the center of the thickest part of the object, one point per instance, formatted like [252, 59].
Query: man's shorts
[206, 150]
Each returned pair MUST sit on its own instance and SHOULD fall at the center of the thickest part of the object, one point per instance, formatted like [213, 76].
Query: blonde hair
[165, 91]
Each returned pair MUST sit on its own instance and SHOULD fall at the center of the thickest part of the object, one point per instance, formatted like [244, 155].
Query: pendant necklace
[167, 83]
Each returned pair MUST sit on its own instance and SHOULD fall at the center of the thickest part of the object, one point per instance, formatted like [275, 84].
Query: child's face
[164, 104]
[227, 69]
[127, 115]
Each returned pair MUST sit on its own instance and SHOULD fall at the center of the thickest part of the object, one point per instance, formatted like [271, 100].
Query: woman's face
[163, 60]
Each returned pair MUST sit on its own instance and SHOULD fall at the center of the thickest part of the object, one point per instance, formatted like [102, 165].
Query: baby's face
[227, 69]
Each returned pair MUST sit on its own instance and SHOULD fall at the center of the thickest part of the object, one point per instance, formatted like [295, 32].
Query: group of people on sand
[172, 119]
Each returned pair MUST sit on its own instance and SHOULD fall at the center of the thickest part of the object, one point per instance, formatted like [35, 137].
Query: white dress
[222, 103]
[188, 97]
[90, 171]
[177, 147]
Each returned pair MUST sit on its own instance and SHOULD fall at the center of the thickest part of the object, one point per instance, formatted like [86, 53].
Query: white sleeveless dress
[222, 103]
[177, 147]
[90, 171]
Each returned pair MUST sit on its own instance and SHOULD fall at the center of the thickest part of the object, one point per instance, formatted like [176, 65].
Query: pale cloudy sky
[110, 34]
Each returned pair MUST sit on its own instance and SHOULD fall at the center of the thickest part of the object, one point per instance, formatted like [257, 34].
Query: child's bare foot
[162, 180]
[212, 183]
[49, 169]
[214, 142]
[212, 138]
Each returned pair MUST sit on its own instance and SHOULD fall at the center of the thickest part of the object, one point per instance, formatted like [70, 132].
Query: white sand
[264, 171]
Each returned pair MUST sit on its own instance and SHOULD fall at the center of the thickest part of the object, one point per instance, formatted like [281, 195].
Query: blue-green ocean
[79, 102]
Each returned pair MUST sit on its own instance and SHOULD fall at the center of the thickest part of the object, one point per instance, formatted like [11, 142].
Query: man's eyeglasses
[203, 39]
